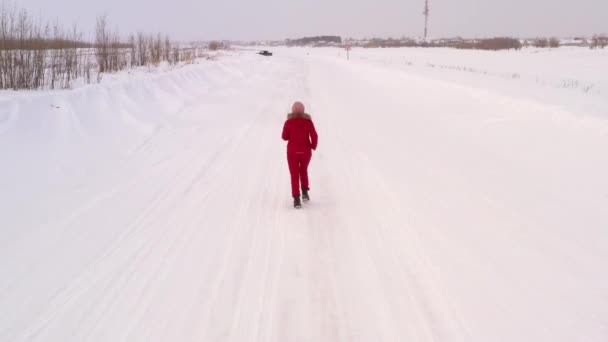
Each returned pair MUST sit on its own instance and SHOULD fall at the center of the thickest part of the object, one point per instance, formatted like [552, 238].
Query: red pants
[298, 168]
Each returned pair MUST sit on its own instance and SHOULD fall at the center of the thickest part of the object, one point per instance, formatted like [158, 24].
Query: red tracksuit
[301, 135]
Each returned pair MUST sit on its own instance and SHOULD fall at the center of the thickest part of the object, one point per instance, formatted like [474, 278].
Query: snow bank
[51, 139]
[572, 78]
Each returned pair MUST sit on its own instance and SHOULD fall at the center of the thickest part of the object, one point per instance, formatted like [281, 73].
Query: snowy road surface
[157, 208]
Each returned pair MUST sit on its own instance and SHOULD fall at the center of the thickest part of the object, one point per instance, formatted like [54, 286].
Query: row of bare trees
[495, 44]
[34, 55]
[150, 49]
[109, 52]
[598, 42]
[507, 43]
[543, 43]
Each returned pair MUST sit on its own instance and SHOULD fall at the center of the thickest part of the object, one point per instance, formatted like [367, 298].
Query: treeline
[33, 55]
[543, 43]
[319, 40]
[496, 43]
[36, 55]
[141, 49]
[598, 42]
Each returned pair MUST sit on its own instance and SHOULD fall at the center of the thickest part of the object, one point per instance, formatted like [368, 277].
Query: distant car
[265, 53]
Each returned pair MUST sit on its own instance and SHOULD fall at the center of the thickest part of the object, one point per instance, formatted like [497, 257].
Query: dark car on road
[265, 53]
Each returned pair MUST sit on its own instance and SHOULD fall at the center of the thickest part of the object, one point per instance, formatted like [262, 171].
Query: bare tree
[553, 42]
[541, 43]
[142, 49]
[102, 43]
[132, 51]
[167, 49]
[215, 45]
[598, 42]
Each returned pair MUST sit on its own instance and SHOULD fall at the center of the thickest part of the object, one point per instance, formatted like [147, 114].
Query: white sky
[280, 19]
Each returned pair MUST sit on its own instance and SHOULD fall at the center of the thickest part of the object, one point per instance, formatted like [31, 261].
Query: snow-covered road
[440, 211]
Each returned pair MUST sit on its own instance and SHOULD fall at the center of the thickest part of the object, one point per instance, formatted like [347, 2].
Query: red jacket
[300, 133]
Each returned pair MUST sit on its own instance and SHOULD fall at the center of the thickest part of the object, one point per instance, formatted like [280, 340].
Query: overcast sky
[280, 19]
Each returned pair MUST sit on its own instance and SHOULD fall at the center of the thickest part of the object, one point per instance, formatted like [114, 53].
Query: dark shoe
[305, 196]
[296, 202]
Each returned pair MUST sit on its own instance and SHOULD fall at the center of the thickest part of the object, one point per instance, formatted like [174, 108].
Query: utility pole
[426, 17]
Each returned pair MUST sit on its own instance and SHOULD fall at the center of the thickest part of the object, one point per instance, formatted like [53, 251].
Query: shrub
[540, 43]
[554, 42]
[465, 45]
[215, 45]
[598, 42]
[499, 43]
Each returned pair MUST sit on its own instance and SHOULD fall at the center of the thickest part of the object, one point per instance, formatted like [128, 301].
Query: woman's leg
[294, 170]
[303, 169]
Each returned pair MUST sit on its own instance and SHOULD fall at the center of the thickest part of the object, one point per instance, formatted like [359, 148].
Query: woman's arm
[285, 135]
[314, 137]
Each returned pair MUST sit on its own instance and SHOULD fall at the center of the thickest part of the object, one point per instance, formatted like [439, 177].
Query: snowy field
[456, 196]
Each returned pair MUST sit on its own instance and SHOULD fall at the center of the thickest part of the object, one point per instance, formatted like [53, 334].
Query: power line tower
[426, 17]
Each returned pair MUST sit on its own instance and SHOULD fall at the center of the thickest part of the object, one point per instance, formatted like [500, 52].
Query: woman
[301, 135]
